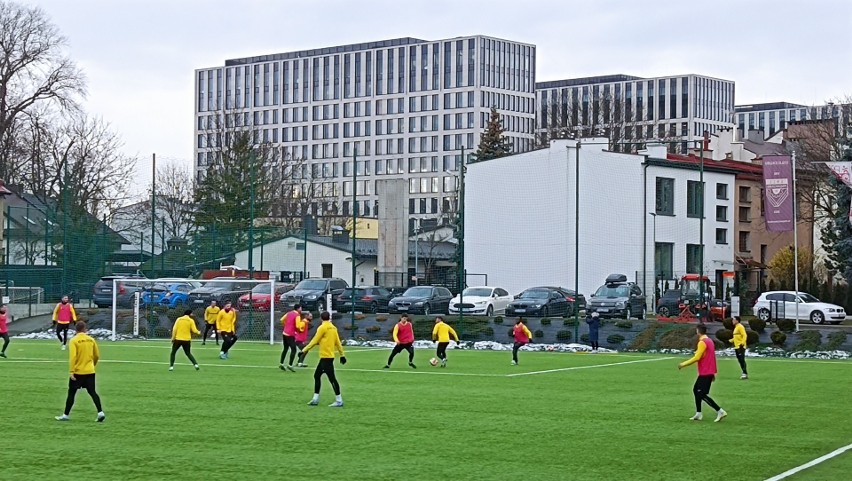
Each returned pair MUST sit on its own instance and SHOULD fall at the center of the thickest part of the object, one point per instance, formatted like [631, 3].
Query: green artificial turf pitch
[586, 417]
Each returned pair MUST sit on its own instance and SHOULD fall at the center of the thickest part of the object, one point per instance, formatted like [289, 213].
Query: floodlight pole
[153, 208]
[795, 237]
[353, 233]
[577, 238]
[462, 273]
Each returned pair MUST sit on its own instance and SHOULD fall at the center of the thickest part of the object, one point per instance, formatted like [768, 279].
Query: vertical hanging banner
[843, 172]
[778, 192]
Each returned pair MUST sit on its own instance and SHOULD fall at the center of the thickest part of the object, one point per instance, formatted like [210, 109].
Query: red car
[259, 299]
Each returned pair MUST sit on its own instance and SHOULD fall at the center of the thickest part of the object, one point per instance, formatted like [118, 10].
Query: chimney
[339, 235]
[309, 223]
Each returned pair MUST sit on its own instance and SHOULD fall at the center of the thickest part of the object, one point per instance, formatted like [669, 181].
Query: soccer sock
[710, 402]
[339, 398]
[69, 401]
[58, 333]
[316, 397]
[283, 355]
[5, 343]
[191, 358]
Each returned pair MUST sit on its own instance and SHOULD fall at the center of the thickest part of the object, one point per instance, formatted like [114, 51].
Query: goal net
[148, 308]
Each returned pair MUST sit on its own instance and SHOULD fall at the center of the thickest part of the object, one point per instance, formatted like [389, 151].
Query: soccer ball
[433, 361]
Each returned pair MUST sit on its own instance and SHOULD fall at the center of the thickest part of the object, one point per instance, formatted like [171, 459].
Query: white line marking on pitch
[593, 366]
[440, 373]
[790, 472]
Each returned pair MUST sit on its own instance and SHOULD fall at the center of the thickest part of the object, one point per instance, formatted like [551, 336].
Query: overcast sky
[139, 55]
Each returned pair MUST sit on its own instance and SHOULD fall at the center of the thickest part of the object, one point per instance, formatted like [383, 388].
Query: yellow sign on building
[366, 228]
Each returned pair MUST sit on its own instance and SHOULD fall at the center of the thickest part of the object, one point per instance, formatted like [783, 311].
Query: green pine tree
[836, 234]
[492, 142]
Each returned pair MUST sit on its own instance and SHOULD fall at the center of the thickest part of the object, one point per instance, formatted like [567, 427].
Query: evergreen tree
[492, 143]
[836, 234]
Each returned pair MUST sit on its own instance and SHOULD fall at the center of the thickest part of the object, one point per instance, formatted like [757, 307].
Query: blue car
[178, 294]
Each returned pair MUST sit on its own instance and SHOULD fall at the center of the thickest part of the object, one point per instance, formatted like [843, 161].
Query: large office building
[773, 117]
[406, 106]
[625, 109]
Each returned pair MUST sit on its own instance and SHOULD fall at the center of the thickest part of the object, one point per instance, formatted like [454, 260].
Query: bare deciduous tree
[34, 71]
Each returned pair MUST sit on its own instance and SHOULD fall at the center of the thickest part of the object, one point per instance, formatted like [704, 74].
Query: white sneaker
[720, 415]
[313, 402]
[196, 367]
[62, 418]
[514, 363]
[697, 417]
[336, 404]
[744, 376]
[63, 347]
[171, 368]
[101, 417]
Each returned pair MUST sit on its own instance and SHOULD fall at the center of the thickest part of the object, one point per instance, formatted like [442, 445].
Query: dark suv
[102, 291]
[618, 298]
[223, 290]
[311, 293]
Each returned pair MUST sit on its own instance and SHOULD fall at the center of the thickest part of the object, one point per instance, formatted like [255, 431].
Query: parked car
[576, 302]
[809, 307]
[367, 299]
[539, 301]
[422, 299]
[311, 293]
[224, 289]
[483, 300]
[157, 292]
[618, 298]
[178, 294]
[102, 291]
[260, 298]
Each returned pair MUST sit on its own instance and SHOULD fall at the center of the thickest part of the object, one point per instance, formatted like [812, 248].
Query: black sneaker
[412, 365]
[387, 366]
[3, 355]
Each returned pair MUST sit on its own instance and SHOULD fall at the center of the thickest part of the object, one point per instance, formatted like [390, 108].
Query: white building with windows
[628, 108]
[638, 215]
[406, 106]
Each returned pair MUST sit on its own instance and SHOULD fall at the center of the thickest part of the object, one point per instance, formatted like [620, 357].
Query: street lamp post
[461, 271]
[252, 158]
[354, 223]
[416, 250]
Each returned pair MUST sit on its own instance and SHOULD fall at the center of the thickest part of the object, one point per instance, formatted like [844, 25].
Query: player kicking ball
[182, 333]
[328, 341]
[403, 336]
[442, 333]
[522, 337]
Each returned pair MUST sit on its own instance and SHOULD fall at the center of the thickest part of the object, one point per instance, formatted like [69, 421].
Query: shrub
[92, 312]
[786, 325]
[538, 334]
[615, 339]
[350, 327]
[563, 336]
[360, 317]
[809, 341]
[719, 345]
[725, 335]
[511, 333]
[645, 340]
[757, 325]
[728, 324]
[489, 331]
[498, 320]
[161, 332]
[835, 341]
[624, 324]
[778, 338]
[569, 322]
[752, 338]
[372, 329]
[682, 337]
[545, 321]
[381, 318]
[584, 338]
[173, 314]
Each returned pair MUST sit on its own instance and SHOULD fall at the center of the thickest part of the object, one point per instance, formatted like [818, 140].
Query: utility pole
[354, 223]
[252, 162]
[153, 207]
[704, 305]
[577, 238]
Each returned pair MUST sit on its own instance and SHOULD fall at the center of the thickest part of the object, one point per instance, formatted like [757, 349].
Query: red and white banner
[843, 172]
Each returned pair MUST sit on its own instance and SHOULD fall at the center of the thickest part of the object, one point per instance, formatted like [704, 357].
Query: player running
[83, 356]
[329, 341]
[226, 324]
[303, 325]
[4, 330]
[442, 333]
[739, 342]
[210, 315]
[705, 356]
[63, 315]
[403, 336]
[182, 333]
[522, 337]
[289, 336]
